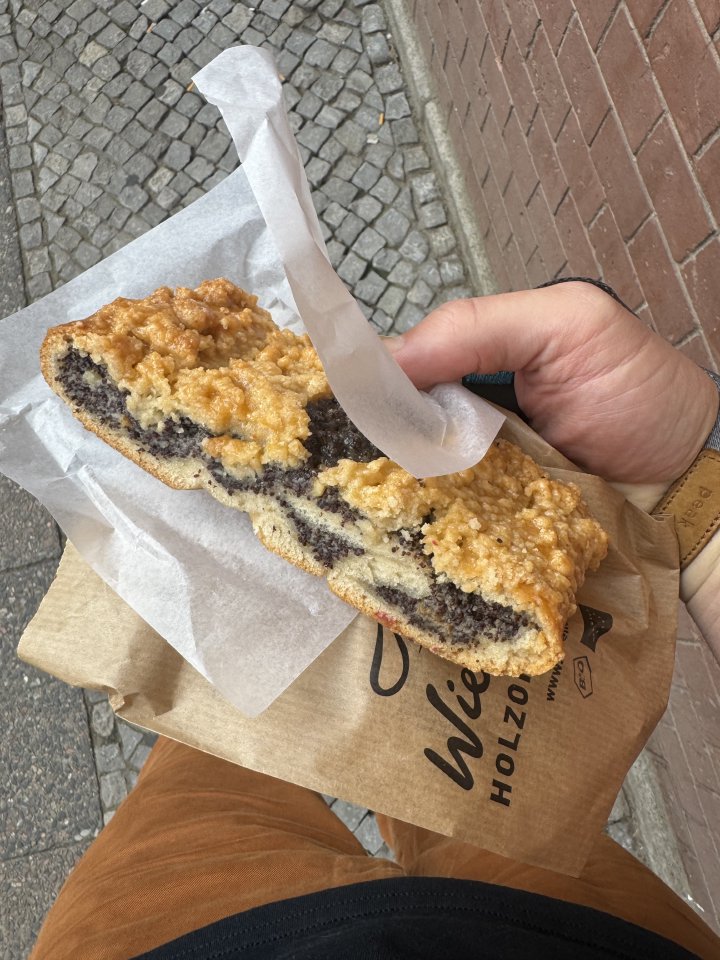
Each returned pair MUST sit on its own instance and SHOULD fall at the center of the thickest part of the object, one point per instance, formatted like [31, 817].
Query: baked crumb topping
[211, 355]
[214, 356]
[502, 526]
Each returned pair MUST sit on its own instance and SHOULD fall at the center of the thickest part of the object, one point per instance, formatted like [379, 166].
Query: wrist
[697, 413]
[693, 500]
[706, 427]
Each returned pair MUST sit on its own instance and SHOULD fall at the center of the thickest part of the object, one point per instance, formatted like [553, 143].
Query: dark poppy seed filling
[106, 401]
[327, 547]
[333, 437]
[331, 502]
[102, 398]
[271, 481]
[468, 614]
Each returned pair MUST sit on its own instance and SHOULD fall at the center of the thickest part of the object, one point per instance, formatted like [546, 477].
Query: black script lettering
[510, 744]
[476, 687]
[517, 719]
[554, 680]
[471, 745]
[377, 665]
[501, 789]
[518, 694]
[505, 764]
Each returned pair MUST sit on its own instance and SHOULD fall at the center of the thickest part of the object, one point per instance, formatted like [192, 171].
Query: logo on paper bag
[596, 623]
[459, 701]
[583, 676]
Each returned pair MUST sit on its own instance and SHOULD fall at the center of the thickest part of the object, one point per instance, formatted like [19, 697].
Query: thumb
[510, 331]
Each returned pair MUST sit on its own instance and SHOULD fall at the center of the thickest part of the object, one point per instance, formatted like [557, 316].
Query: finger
[510, 331]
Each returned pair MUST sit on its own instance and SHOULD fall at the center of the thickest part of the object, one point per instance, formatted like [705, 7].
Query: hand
[595, 382]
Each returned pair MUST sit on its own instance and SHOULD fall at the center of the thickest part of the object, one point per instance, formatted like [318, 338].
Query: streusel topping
[214, 356]
[502, 526]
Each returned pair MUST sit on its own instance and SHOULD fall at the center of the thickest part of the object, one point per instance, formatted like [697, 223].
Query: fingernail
[394, 344]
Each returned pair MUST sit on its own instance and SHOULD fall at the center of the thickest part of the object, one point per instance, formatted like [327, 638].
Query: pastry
[200, 388]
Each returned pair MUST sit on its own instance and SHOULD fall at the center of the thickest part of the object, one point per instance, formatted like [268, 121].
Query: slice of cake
[200, 388]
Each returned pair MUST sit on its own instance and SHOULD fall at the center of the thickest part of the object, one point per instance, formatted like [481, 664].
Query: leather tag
[694, 502]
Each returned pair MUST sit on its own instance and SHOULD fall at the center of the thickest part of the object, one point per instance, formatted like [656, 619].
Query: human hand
[595, 382]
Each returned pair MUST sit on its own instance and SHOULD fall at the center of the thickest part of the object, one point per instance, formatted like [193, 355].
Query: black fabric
[419, 918]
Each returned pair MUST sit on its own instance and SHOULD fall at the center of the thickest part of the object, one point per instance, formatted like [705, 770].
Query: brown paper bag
[525, 767]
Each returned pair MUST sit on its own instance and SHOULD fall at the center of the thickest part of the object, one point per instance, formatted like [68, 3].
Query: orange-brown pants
[199, 839]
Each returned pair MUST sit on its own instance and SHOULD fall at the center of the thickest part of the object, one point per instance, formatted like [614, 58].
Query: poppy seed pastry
[201, 389]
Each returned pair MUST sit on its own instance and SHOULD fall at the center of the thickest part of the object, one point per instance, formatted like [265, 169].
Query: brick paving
[589, 137]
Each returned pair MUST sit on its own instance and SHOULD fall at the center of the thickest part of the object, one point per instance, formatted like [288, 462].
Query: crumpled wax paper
[190, 567]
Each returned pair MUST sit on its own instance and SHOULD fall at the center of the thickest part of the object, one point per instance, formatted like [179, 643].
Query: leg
[198, 839]
[613, 881]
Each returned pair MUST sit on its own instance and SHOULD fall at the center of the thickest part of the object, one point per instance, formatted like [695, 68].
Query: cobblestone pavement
[106, 138]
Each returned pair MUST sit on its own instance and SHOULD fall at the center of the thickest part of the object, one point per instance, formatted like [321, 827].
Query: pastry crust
[201, 389]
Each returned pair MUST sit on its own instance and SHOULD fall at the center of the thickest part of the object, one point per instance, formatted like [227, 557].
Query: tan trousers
[199, 839]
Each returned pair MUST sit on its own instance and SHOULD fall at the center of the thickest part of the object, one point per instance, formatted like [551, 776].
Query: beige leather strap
[694, 502]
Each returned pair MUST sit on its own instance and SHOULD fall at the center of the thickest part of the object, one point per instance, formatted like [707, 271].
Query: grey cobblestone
[102, 719]
[371, 287]
[352, 268]
[109, 758]
[393, 225]
[368, 243]
[385, 190]
[349, 230]
[369, 835]
[442, 240]
[367, 208]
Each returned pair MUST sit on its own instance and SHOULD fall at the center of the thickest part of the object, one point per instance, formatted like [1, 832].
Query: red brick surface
[686, 67]
[519, 148]
[583, 82]
[579, 169]
[613, 107]
[518, 80]
[660, 283]
[555, 16]
[669, 182]
[549, 89]
[589, 134]
[573, 236]
[524, 19]
[709, 11]
[644, 14]
[706, 165]
[613, 257]
[546, 162]
[619, 175]
[626, 71]
[595, 16]
[702, 278]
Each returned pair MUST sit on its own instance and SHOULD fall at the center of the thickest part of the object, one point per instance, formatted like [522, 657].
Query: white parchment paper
[449, 429]
[190, 567]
